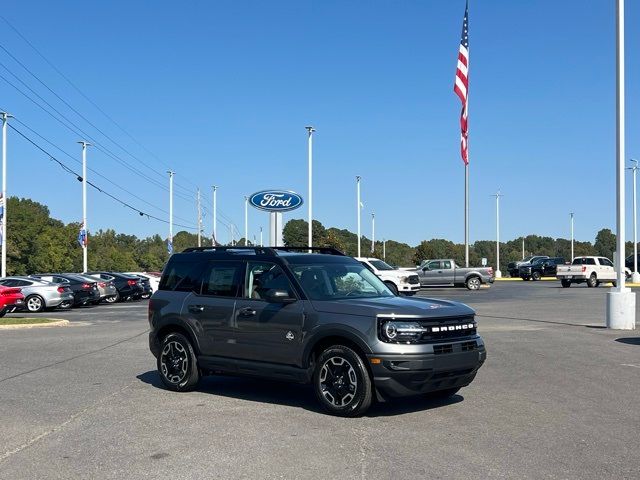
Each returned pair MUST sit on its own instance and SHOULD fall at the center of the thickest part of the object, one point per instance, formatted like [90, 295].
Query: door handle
[196, 308]
[246, 312]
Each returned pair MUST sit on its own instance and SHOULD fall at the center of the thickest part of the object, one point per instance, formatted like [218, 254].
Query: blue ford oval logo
[276, 200]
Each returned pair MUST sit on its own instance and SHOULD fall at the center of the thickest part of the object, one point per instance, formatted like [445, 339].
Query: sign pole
[358, 207]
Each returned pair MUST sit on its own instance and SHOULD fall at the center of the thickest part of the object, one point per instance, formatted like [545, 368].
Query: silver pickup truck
[446, 272]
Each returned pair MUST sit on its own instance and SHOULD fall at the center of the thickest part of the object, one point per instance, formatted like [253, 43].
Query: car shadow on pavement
[629, 340]
[294, 395]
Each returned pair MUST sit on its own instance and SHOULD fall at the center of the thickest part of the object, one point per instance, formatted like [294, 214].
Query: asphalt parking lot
[557, 398]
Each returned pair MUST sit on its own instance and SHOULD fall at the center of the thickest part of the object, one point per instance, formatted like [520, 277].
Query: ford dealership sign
[276, 200]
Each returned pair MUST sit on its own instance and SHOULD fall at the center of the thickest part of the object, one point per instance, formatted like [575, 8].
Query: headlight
[404, 279]
[400, 332]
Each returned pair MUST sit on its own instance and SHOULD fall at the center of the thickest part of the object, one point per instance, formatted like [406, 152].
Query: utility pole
[199, 218]
[310, 130]
[3, 219]
[373, 232]
[215, 216]
[85, 247]
[246, 221]
[170, 242]
[621, 301]
[635, 277]
[359, 207]
[498, 272]
[572, 237]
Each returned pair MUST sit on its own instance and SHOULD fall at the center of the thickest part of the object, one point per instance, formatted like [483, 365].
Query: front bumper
[452, 365]
[408, 287]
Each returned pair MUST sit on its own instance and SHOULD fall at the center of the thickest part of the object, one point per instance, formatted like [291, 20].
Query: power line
[93, 185]
[96, 106]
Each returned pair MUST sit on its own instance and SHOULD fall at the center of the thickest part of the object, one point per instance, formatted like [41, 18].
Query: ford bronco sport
[320, 318]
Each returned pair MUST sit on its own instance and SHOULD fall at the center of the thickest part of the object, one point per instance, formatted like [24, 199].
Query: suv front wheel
[342, 382]
[177, 364]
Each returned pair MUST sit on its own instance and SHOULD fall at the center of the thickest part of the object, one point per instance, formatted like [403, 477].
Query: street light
[572, 237]
[635, 277]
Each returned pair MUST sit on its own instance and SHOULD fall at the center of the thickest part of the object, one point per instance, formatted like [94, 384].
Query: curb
[57, 323]
[518, 279]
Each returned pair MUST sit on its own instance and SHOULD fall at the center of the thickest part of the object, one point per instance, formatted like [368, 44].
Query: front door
[268, 331]
[432, 273]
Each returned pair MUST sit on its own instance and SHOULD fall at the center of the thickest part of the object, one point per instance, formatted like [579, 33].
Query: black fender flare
[345, 332]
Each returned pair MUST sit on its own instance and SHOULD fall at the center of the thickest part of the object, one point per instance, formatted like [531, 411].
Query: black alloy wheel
[177, 364]
[342, 383]
[536, 276]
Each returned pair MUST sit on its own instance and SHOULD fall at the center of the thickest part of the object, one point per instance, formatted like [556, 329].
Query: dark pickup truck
[543, 267]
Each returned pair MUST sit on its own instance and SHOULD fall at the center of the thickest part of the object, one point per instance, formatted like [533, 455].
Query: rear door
[448, 271]
[211, 304]
[268, 332]
[606, 271]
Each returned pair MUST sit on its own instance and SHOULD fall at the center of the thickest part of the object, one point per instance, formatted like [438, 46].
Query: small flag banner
[169, 246]
[82, 237]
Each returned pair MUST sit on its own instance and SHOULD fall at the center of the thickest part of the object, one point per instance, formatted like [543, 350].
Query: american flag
[461, 86]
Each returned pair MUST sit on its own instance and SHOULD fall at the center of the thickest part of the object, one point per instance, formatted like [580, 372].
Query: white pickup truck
[398, 281]
[592, 270]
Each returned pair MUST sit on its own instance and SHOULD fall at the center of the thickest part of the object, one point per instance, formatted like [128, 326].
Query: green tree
[605, 243]
[296, 233]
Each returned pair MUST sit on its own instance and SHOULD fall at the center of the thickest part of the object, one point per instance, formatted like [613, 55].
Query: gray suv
[319, 318]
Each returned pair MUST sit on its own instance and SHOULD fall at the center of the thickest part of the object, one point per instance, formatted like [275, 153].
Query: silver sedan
[39, 295]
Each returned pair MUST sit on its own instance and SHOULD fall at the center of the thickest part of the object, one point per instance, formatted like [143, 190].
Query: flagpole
[358, 206]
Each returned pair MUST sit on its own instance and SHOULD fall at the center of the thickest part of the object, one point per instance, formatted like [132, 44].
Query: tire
[145, 296]
[66, 305]
[614, 283]
[526, 279]
[177, 363]
[392, 287]
[592, 281]
[113, 299]
[443, 394]
[34, 303]
[535, 276]
[341, 382]
[565, 283]
[473, 283]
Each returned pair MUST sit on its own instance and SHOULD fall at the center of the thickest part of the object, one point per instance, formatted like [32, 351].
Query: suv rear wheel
[341, 382]
[177, 364]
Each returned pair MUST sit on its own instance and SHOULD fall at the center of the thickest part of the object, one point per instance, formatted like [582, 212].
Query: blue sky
[221, 92]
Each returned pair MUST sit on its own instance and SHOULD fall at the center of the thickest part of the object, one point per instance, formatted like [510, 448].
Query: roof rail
[257, 250]
[324, 250]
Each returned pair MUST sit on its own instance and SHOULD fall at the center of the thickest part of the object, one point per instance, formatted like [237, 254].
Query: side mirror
[278, 296]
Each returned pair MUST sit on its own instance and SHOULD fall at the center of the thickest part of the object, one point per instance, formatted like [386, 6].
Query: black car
[543, 267]
[319, 318]
[84, 292]
[129, 286]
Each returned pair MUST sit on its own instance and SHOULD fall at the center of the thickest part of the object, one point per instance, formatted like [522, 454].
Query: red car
[11, 299]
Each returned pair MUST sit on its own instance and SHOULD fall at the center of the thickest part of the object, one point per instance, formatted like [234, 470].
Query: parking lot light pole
[635, 277]
[199, 208]
[5, 117]
[384, 250]
[359, 206]
[498, 272]
[310, 131]
[621, 301]
[261, 243]
[572, 238]
[246, 221]
[170, 246]
[214, 240]
[85, 247]
[373, 232]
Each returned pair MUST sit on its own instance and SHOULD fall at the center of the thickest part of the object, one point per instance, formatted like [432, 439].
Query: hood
[370, 307]
[398, 273]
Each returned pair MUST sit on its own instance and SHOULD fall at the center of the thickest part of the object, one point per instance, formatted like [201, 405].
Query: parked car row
[65, 290]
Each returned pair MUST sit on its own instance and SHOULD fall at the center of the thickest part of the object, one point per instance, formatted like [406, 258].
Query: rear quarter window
[181, 276]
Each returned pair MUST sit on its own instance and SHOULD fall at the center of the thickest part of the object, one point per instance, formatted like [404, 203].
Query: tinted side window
[434, 265]
[446, 264]
[223, 279]
[181, 276]
[606, 262]
[265, 276]
[591, 261]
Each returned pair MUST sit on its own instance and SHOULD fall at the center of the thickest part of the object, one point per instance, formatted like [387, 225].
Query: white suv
[398, 281]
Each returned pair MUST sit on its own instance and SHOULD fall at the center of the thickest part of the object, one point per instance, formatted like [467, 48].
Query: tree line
[38, 243]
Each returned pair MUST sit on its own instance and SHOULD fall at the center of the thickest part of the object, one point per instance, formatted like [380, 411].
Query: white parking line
[629, 365]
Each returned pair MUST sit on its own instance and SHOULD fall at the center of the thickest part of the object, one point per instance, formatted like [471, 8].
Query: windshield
[338, 281]
[380, 265]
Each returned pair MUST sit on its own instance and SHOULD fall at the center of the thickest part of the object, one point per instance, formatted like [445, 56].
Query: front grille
[440, 349]
[414, 279]
[447, 328]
